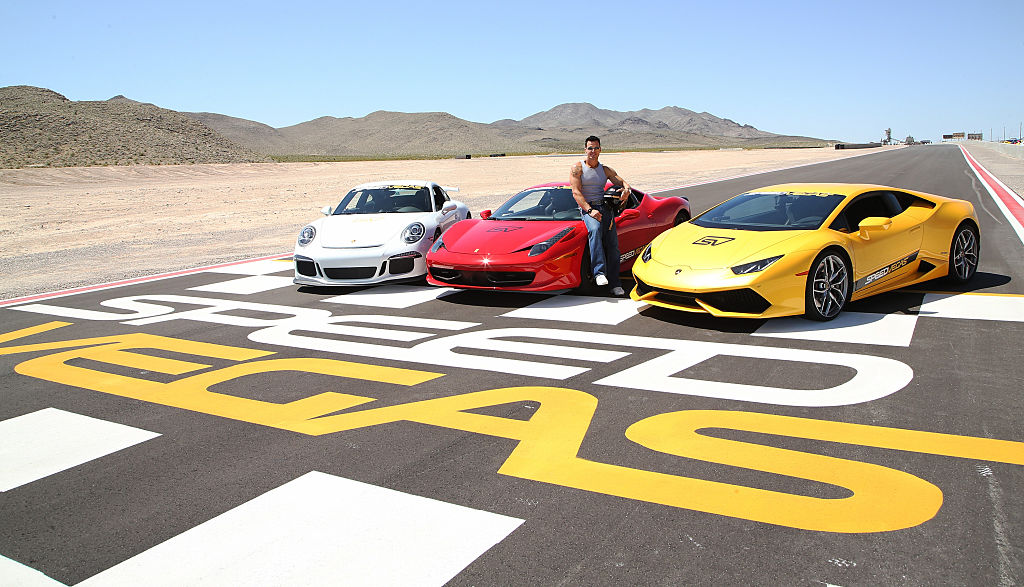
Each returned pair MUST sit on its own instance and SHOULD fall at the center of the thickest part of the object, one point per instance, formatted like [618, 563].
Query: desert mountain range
[40, 127]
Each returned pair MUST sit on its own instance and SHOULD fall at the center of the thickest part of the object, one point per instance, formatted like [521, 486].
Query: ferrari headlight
[306, 235]
[413, 233]
[539, 248]
[646, 255]
[755, 266]
[438, 244]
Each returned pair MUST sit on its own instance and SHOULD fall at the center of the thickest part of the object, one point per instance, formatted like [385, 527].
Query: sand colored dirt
[69, 227]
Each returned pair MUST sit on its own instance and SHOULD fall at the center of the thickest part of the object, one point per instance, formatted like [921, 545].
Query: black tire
[829, 286]
[681, 217]
[964, 253]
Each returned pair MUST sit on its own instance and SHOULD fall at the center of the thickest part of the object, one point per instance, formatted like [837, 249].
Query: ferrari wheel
[680, 218]
[828, 286]
[963, 253]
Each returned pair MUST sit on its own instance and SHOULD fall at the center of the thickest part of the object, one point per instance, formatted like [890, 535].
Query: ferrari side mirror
[629, 214]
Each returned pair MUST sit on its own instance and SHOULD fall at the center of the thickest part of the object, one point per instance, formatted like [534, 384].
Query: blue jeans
[604, 244]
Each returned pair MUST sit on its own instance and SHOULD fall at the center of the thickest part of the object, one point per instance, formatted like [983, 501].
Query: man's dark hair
[592, 138]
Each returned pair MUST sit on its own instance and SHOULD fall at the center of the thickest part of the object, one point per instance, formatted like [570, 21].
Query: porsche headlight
[646, 255]
[755, 266]
[539, 248]
[306, 235]
[413, 233]
[438, 244]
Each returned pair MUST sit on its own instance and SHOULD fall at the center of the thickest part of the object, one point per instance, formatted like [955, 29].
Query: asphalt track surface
[227, 427]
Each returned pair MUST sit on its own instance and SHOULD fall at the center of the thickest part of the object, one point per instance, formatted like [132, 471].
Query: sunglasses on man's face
[593, 148]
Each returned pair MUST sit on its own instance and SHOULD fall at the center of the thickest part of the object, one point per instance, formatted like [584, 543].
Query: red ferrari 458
[537, 241]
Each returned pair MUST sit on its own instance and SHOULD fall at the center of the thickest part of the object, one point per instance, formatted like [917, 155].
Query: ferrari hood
[363, 230]
[501, 236]
[706, 248]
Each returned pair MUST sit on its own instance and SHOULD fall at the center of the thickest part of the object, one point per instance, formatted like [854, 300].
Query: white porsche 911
[380, 232]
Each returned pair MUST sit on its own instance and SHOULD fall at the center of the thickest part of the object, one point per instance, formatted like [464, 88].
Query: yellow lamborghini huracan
[808, 249]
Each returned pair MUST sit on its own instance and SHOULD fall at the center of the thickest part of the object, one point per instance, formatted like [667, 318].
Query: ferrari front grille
[484, 278]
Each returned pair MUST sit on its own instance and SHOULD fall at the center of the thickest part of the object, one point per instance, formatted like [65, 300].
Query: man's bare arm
[576, 181]
[617, 180]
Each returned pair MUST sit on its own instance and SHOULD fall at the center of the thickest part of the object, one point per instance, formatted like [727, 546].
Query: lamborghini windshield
[384, 199]
[550, 203]
[771, 211]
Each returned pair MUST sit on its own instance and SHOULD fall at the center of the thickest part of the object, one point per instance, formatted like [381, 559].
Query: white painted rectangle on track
[391, 296]
[15, 574]
[40, 444]
[848, 327]
[247, 285]
[321, 529]
[1007, 308]
[580, 309]
[261, 267]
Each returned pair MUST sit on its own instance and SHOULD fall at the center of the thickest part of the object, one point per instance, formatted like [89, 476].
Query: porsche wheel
[963, 253]
[828, 286]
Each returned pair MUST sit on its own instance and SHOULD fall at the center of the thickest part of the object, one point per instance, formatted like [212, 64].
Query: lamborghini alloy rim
[965, 253]
[830, 286]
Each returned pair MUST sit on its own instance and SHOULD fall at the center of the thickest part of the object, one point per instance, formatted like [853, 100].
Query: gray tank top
[593, 180]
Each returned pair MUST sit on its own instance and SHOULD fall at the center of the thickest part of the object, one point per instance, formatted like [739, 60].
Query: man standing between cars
[588, 178]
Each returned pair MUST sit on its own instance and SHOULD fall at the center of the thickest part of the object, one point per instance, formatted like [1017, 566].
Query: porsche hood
[363, 230]
[500, 237]
[712, 248]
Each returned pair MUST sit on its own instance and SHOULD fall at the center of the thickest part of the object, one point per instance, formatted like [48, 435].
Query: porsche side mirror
[326, 210]
[873, 224]
[629, 214]
[448, 207]
[485, 214]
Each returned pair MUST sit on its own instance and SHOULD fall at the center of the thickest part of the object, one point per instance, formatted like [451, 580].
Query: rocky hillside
[671, 118]
[561, 129]
[39, 127]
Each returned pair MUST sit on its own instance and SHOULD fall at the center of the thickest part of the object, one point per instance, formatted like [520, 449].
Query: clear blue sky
[833, 70]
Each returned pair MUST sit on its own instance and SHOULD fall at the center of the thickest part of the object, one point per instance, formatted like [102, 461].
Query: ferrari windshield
[771, 211]
[384, 199]
[550, 203]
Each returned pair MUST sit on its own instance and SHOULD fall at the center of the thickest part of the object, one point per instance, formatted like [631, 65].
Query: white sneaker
[600, 279]
[618, 292]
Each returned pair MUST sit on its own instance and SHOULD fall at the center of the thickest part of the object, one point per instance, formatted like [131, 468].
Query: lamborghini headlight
[646, 255]
[306, 235]
[413, 233]
[539, 248]
[756, 266]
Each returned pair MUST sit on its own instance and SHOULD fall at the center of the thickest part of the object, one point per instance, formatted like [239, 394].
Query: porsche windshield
[385, 199]
[550, 203]
[771, 211]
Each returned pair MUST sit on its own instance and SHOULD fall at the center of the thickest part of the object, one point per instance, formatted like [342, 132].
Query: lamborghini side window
[881, 204]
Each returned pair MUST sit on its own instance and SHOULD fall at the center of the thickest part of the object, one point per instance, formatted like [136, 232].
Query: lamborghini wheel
[963, 253]
[828, 286]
